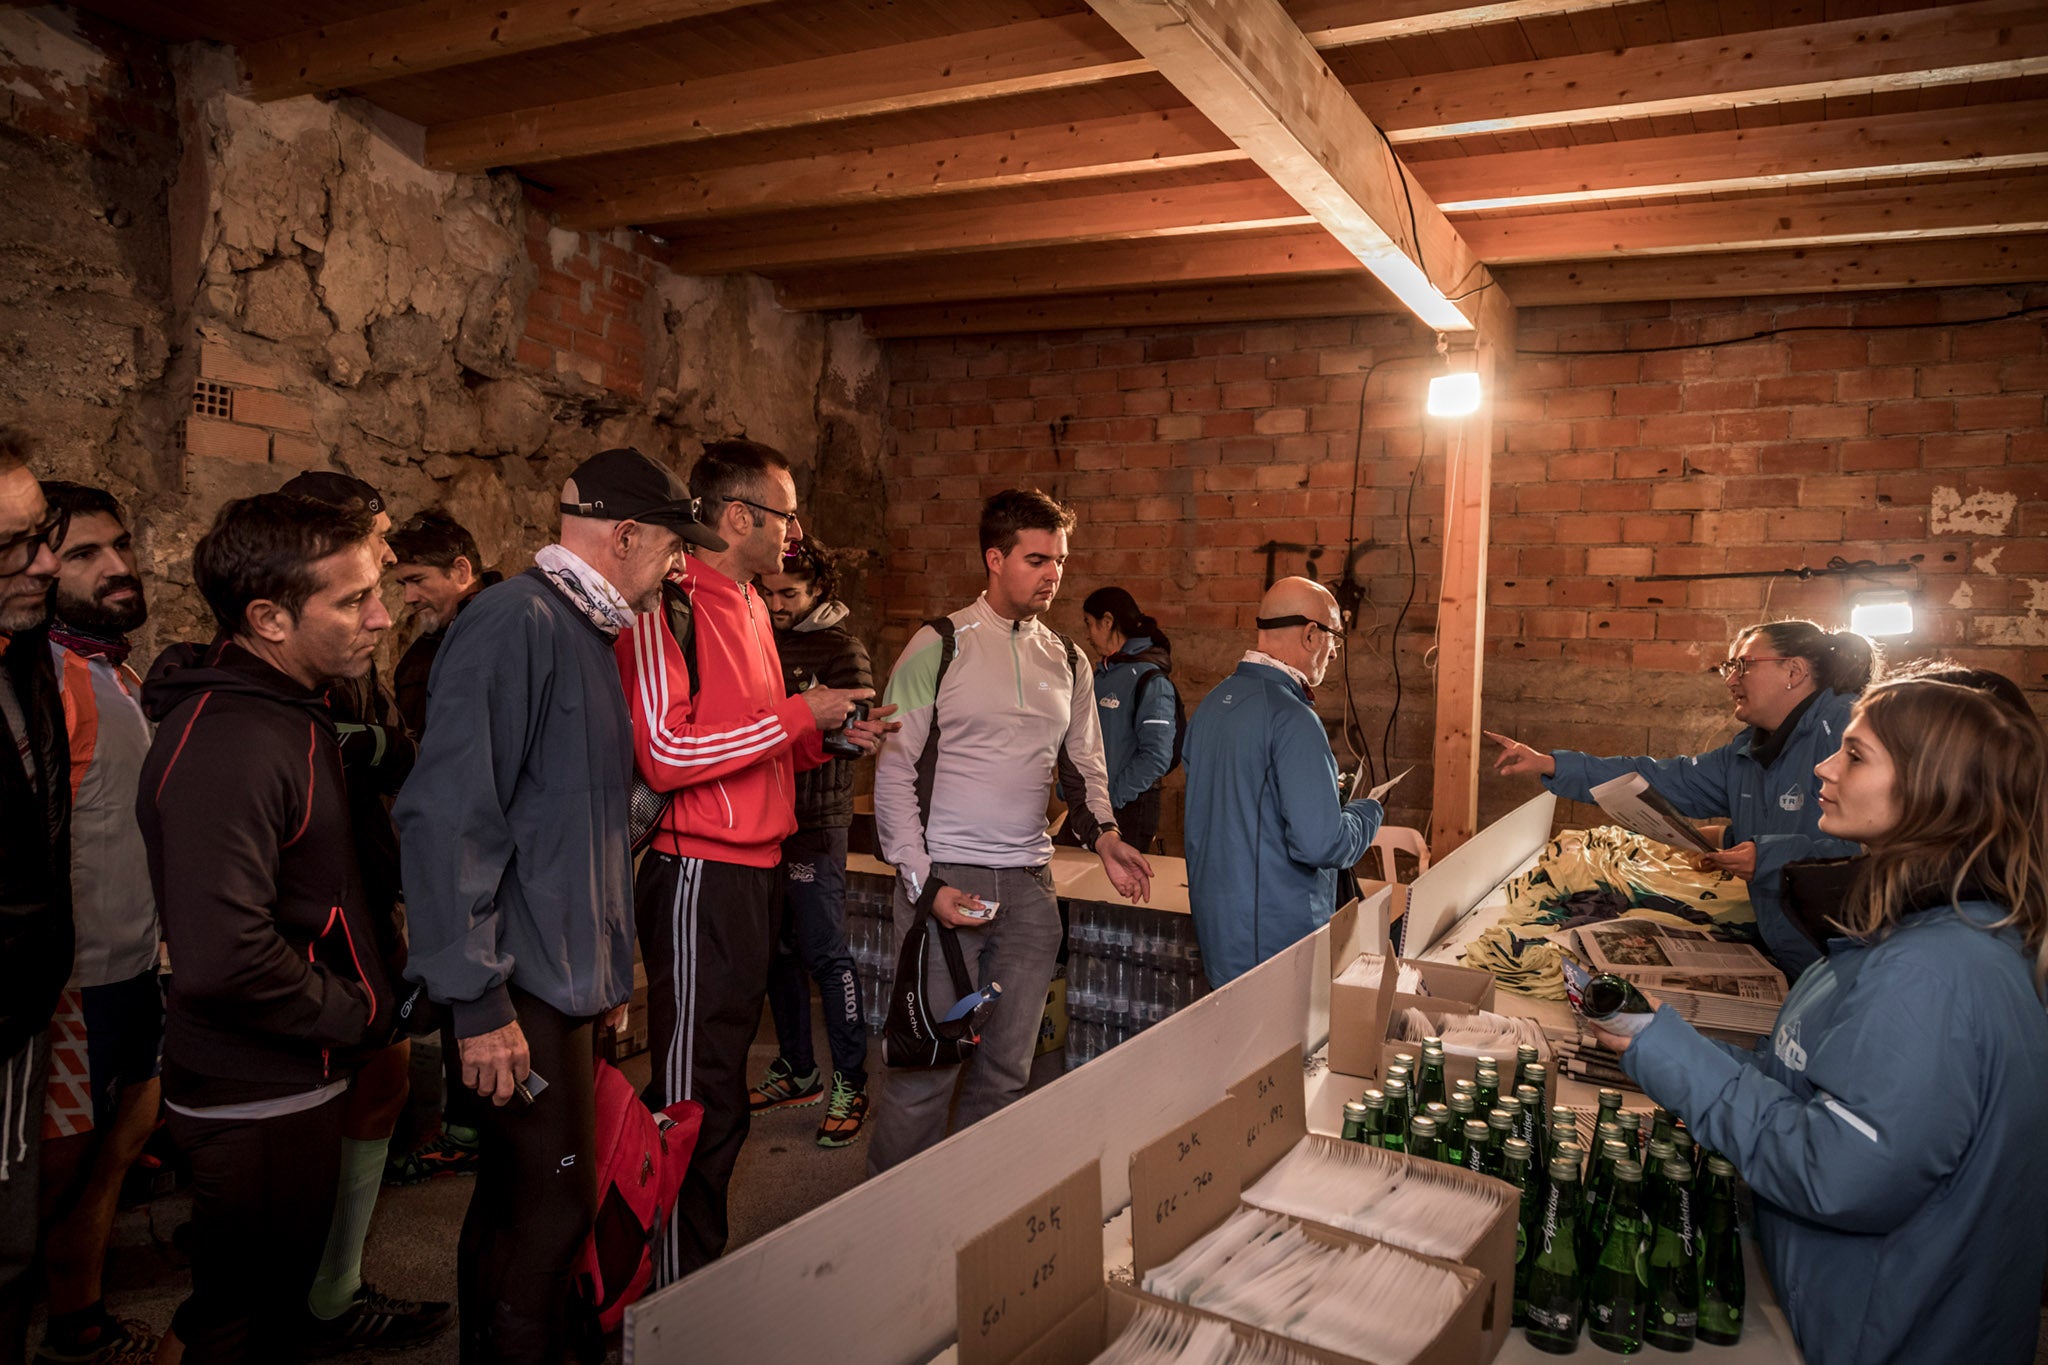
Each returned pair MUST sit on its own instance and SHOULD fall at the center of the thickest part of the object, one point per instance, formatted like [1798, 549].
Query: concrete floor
[782, 1174]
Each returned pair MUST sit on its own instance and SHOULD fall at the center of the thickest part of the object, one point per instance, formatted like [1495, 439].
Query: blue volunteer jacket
[1266, 832]
[1138, 748]
[1891, 1129]
[1775, 806]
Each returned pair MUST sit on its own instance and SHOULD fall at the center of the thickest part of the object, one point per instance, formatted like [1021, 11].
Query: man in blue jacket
[1267, 829]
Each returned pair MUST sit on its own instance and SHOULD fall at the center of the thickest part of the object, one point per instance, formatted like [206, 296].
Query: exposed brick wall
[586, 313]
[1893, 430]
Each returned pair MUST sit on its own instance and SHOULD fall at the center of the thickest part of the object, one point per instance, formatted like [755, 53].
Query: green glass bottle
[1433, 1090]
[1423, 1140]
[1600, 1195]
[1375, 1103]
[1620, 1281]
[1478, 1144]
[1439, 1111]
[1671, 1320]
[1556, 1290]
[1661, 1125]
[1526, 1054]
[1394, 1136]
[1661, 1151]
[1406, 1061]
[1453, 1144]
[1610, 1106]
[1398, 1110]
[1354, 1120]
[1514, 1168]
[1564, 1127]
[1500, 1126]
[1486, 1086]
[1721, 1283]
[1632, 1132]
[1465, 1087]
[1529, 1114]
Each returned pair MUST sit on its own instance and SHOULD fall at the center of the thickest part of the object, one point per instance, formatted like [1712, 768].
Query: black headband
[1275, 622]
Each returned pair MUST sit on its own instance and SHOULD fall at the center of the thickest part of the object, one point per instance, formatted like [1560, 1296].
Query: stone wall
[1629, 441]
[222, 293]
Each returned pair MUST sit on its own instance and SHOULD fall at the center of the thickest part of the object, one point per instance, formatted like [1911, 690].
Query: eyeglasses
[788, 518]
[1336, 636]
[19, 551]
[1735, 668]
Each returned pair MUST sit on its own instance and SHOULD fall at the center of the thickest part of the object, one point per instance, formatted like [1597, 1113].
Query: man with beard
[35, 866]
[1267, 827]
[279, 990]
[817, 650]
[102, 1100]
[992, 699]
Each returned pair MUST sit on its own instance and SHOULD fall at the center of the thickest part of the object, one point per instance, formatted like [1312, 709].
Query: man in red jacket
[715, 730]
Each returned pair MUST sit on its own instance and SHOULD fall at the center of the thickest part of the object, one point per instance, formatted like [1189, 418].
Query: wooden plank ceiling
[957, 165]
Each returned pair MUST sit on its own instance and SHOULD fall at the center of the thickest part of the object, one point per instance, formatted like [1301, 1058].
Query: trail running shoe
[443, 1156]
[845, 1112]
[782, 1088]
[380, 1322]
[116, 1341]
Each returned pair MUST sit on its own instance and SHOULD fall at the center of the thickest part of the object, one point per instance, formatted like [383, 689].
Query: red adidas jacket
[732, 751]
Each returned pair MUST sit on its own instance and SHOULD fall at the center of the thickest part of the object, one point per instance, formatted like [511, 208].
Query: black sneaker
[113, 1341]
[379, 1322]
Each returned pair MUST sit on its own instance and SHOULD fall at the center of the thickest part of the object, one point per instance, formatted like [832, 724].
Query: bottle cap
[1610, 1098]
[1719, 1165]
[1375, 1099]
[1535, 1071]
[1396, 1085]
[1677, 1168]
[1515, 1149]
[1486, 1064]
[1406, 1059]
[1464, 1087]
[1355, 1110]
[1614, 1149]
[1564, 1168]
[1432, 1041]
[1476, 1130]
[1609, 1129]
[1422, 1126]
[1461, 1102]
[1437, 1110]
[1628, 1172]
[1527, 1052]
[1501, 1119]
[1528, 1094]
[1661, 1151]
[1510, 1105]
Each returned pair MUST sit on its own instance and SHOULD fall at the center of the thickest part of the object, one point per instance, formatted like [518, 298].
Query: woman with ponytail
[1138, 705]
[1792, 684]
[1891, 1125]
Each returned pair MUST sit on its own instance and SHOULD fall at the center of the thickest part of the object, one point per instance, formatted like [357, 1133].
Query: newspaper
[1631, 802]
[1712, 983]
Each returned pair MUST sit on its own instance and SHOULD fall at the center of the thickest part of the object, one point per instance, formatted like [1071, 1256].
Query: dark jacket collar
[1766, 745]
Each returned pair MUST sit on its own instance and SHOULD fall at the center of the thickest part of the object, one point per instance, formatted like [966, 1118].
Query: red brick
[1650, 530]
[1898, 452]
[1675, 494]
[1633, 496]
[222, 365]
[1805, 524]
[1638, 400]
[1982, 448]
[1764, 492]
[1547, 497]
[1607, 432]
[1908, 348]
[1945, 381]
[1823, 423]
[1689, 559]
[1281, 421]
[1765, 424]
[1670, 658]
[1555, 625]
[1685, 430]
[1587, 465]
[535, 356]
[1866, 384]
[215, 439]
[257, 408]
[302, 451]
[1713, 395]
[1893, 419]
[1841, 352]
[2017, 411]
[1623, 625]
[1797, 389]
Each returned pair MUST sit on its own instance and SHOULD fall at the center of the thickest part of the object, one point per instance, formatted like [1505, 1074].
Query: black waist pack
[917, 1035]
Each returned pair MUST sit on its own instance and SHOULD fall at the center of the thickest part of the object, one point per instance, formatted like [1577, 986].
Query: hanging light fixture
[1453, 394]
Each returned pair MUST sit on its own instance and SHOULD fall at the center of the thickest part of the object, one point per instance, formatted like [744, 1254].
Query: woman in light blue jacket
[1792, 684]
[1894, 1126]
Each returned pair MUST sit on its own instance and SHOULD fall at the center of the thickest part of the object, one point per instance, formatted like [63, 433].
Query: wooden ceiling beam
[1353, 294]
[1084, 267]
[1048, 154]
[892, 231]
[1971, 208]
[1985, 40]
[1949, 263]
[1040, 54]
[1924, 142]
[434, 35]
[1250, 71]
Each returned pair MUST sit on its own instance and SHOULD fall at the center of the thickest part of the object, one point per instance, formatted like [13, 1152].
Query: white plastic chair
[1399, 838]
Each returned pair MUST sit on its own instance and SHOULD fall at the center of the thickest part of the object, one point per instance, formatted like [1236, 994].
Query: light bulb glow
[1454, 395]
[1881, 614]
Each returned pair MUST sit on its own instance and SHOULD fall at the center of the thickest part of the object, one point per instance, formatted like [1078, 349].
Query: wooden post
[1461, 599]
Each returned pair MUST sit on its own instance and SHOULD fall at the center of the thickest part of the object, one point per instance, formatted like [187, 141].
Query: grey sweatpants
[1019, 949]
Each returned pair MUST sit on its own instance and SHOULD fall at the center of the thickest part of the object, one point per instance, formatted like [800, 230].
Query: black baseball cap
[621, 484]
[336, 490]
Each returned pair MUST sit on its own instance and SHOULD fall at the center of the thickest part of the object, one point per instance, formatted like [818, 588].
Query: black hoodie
[276, 982]
[35, 847]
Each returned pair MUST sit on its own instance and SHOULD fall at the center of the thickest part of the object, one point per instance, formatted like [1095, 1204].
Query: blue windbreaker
[1265, 829]
[1775, 806]
[1892, 1128]
[1137, 747]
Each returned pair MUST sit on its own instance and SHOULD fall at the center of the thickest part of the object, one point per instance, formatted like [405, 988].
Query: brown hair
[1841, 660]
[1972, 788]
[1020, 509]
[265, 547]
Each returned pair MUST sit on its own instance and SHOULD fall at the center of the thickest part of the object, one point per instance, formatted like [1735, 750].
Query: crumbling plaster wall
[238, 291]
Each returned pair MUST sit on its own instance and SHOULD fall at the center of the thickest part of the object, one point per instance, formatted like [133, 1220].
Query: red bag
[641, 1159]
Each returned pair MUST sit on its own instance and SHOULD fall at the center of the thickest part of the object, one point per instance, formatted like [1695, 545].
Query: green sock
[355, 1199]
[460, 1135]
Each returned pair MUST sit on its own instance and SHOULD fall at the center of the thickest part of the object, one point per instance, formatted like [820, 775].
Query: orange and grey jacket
[113, 908]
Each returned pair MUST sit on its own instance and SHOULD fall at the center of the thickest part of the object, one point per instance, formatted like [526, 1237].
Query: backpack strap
[1080, 819]
[682, 623]
[928, 757]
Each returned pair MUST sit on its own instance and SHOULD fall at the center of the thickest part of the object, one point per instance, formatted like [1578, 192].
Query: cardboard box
[1191, 1178]
[1358, 1014]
